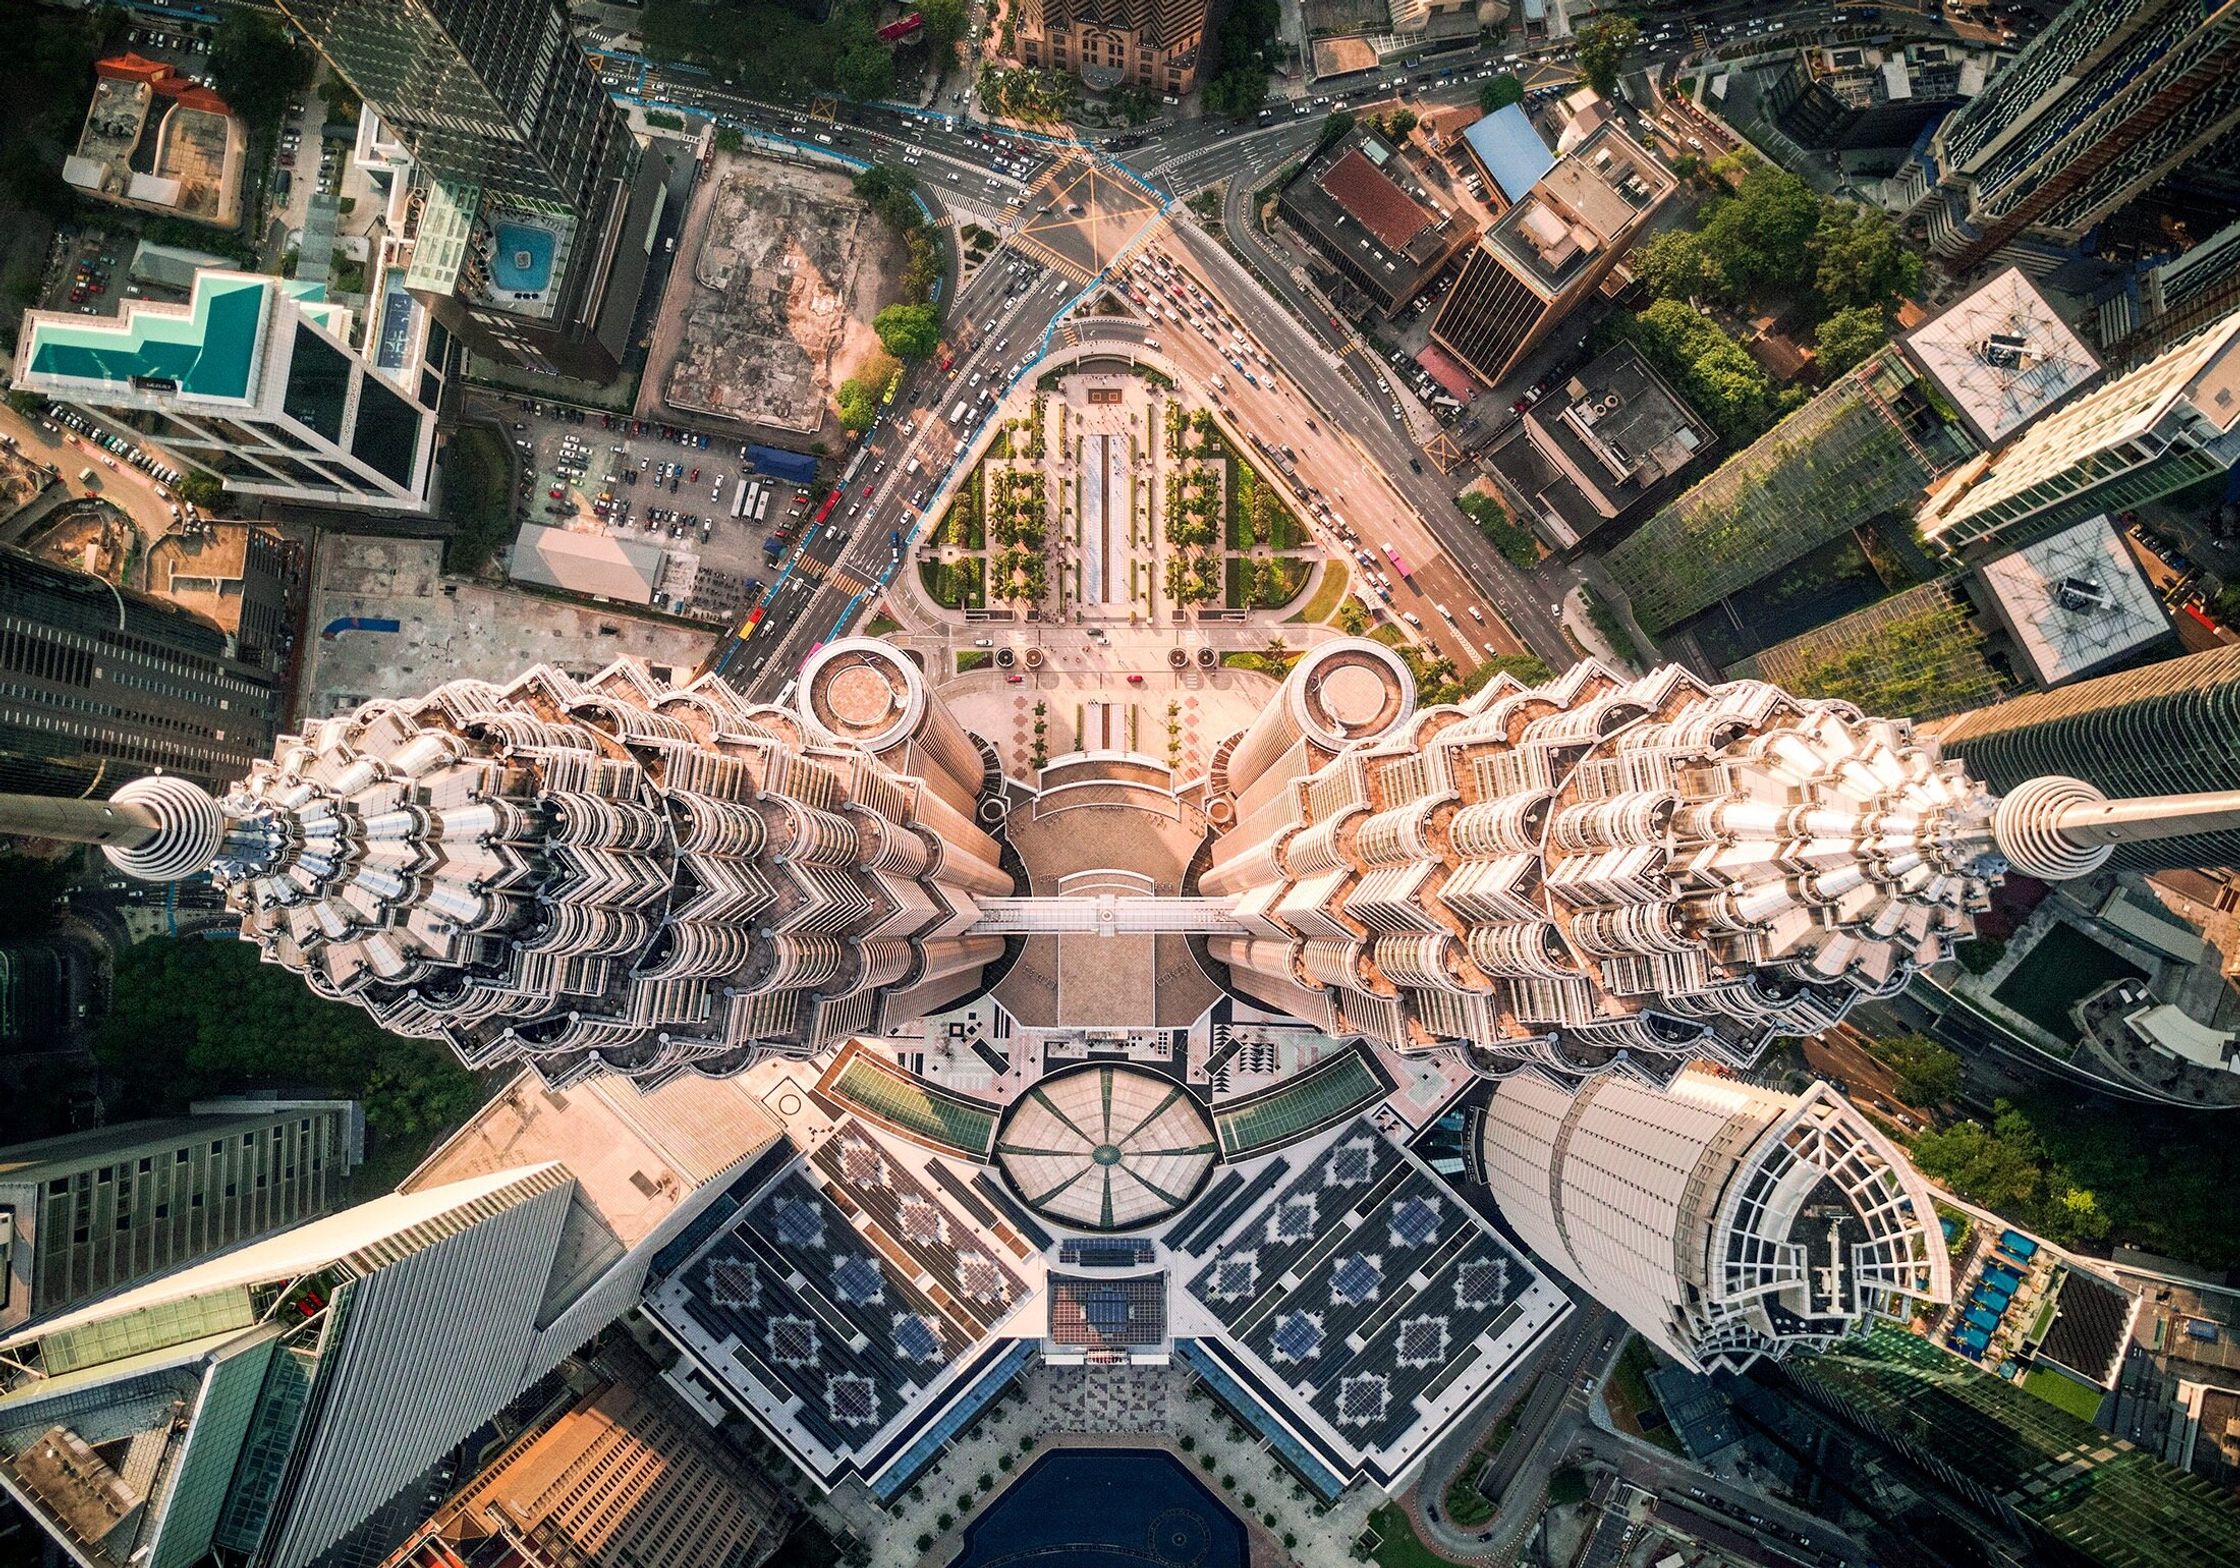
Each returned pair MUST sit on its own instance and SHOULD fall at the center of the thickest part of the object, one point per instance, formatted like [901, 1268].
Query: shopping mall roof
[600, 565]
[2074, 602]
[1511, 149]
[2002, 356]
[1368, 195]
[1106, 1147]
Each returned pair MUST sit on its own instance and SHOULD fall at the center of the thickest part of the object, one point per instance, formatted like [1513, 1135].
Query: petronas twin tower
[1589, 874]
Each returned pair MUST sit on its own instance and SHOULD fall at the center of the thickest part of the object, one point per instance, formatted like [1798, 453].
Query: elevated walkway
[1102, 914]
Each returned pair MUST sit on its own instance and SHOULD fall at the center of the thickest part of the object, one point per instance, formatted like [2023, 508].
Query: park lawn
[2062, 970]
[962, 585]
[1629, 1397]
[1399, 1546]
[974, 659]
[2063, 1393]
[1327, 597]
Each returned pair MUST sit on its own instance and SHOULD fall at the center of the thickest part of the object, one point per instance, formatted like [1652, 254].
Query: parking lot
[604, 474]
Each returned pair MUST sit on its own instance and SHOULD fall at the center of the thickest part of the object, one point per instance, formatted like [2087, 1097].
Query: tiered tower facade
[1600, 872]
[599, 874]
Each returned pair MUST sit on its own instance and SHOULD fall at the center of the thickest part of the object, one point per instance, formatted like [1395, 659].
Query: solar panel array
[1363, 1284]
[1108, 1314]
[853, 1331]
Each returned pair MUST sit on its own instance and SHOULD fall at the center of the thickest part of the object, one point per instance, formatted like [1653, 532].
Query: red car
[867, 492]
[1135, 680]
[693, 478]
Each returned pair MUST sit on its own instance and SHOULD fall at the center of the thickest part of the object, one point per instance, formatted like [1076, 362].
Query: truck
[956, 415]
[1398, 565]
[774, 546]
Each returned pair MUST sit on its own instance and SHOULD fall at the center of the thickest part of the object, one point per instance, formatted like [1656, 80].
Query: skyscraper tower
[1722, 1221]
[2170, 726]
[537, 201]
[609, 873]
[2170, 423]
[1603, 874]
[2105, 102]
[104, 684]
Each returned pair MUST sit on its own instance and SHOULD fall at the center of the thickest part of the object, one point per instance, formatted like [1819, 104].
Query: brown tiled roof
[1374, 202]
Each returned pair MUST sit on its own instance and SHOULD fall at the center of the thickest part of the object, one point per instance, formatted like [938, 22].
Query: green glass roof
[1321, 1097]
[911, 1106]
[208, 351]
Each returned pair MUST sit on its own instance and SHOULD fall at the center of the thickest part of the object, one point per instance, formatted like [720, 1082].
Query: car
[1135, 680]
[867, 492]
[1013, 680]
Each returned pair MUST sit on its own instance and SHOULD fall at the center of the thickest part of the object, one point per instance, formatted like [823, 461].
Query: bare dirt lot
[788, 269]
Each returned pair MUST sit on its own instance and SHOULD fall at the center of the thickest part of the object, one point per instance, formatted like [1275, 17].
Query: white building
[263, 1403]
[1722, 1221]
[2168, 424]
[256, 380]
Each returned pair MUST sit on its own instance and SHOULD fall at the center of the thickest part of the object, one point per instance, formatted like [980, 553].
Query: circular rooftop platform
[1350, 689]
[863, 691]
[1106, 1146]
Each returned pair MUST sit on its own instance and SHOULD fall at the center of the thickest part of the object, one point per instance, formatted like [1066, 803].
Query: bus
[1398, 565]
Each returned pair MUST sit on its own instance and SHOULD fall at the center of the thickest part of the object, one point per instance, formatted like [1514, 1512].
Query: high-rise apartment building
[263, 1403]
[2174, 725]
[100, 684]
[2105, 102]
[533, 205]
[1724, 1222]
[90, 1212]
[2174, 299]
[1153, 46]
[1549, 252]
[253, 379]
[627, 1477]
[2170, 423]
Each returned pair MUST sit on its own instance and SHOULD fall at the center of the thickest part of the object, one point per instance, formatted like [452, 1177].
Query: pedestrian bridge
[1102, 914]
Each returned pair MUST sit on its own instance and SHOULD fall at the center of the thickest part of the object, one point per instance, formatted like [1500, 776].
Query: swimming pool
[1106, 1508]
[521, 259]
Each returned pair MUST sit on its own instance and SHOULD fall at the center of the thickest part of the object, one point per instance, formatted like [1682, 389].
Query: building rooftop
[206, 348]
[1585, 203]
[1509, 146]
[2091, 1325]
[2002, 355]
[603, 566]
[1615, 434]
[2074, 602]
[1352, 201]
[1106, 1147]
[1370, 198]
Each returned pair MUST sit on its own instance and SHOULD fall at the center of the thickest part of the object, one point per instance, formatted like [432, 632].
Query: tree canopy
[1708, 368]
[1927, 1073]
[945, 24]
[258, 64]
[1500, 91]
[1241, 87]
[1603, 44]
[1860, 260]
[908, 331]
[191, 1017]
[1849, 336]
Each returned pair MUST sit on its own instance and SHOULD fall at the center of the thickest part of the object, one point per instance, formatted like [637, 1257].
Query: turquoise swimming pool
[521, 260]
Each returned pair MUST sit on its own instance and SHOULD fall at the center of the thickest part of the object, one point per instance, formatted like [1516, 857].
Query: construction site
[788, 268]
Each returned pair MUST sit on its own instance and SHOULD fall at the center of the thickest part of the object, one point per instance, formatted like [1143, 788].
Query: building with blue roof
[1508, 147]
[255, 379]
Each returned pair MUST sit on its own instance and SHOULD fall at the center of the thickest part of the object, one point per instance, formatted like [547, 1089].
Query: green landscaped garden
[2062, 970]
[1265, 584]
[2063, 1393]
[956, 585]
[1398, 1545]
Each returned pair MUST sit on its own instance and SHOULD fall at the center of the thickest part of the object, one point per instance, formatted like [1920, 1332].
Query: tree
[25, 403]
[1499, 92]
[258, 65]
[1977, 1163]
[1927, 1073]
[1399, 123]
[729, 138]
[1674, 265]
[1708, 368]
[1602, 44]
[2077, 1216]
[1335, 124]
[858, 402]
[1759, 240]
[201, 489]
[1860, 260]
[1352, 619]
[945, 24]
[908, 331]
[865, 71]
[1849, 336]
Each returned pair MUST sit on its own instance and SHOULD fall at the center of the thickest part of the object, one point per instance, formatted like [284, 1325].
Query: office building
[2107, 101]
[531, 205]
[2173, 300]
[90, 1212]
[156, 140]
[2060, 1488]
[2002, 356]
[2171, 423]
[265, 1402]
[1611, 440]
[101, 684]
[1550, 251]
[612, 874]
[253, 379]
[1152, 46]
[1724, 1222]
[626, 1477]
[1350, 204]
[2169, 726]
[1854, 97]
